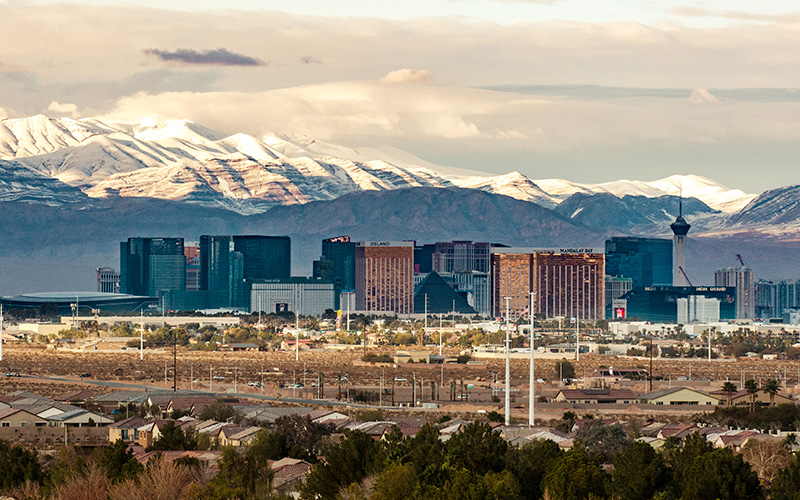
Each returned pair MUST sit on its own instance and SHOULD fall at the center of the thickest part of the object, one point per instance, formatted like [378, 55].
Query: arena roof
[91, 300]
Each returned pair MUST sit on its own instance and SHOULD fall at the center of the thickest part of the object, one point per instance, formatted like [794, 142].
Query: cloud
[692, 11]
[67, 109]
[409, 76]
[703, 96]
[310, 60]
[218, 57]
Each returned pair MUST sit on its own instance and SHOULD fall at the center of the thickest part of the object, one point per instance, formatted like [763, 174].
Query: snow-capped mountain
[776, 207]
[514, 185]
[181, 160]
[711, 193]
[18, 183]
[184, 161]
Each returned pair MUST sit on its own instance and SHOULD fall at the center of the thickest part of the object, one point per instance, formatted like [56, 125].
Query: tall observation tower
[680, 228]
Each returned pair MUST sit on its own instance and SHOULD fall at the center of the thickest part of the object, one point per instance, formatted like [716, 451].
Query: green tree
[639, 472]
[575, 476]
[174, 438]
[426, 453]
[772, 387]
[348, 462]
[681, 456]
[602, 441]
[729, 389]
[721, 475]
[786, 485]
[397, 482]
[477, 448]
[221, 412]
[119, 463]
[18, 465]
[752, 389]
[564, 370]
[303, 436]
[530, 463]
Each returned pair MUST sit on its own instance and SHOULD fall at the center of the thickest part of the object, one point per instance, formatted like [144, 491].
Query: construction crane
[685, 276]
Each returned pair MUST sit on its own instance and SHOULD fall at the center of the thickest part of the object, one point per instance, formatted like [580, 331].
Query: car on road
[86, 375]
[254, 384]
[295, 386]
[13, 374]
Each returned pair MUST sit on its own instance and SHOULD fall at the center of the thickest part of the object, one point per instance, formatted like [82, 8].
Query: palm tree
[772, 387]
[752, 388]
[790, 441]
[729, 389]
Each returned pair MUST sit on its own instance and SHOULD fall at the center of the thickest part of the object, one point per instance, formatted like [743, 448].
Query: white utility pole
[210, 378]
[709, 344]
[441, 330]
[141, 335]
[577, 337]
[531, 396]
[508, 362]
[1, 332]
[425, 328]
[191, 377]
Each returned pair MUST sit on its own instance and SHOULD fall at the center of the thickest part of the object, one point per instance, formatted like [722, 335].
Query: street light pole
[508, 363]
[141, 335]
[531, 395]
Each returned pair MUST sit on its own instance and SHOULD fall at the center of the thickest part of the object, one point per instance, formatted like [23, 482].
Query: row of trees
[114, 472]
[477, 463]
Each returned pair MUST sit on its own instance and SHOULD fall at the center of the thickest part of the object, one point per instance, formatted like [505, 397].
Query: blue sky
[590, 91]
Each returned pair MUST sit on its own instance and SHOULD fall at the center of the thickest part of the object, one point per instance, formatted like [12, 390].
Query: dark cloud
[219, 57]
[310, 60]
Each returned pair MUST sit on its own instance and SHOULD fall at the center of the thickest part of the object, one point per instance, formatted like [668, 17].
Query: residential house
[595, 396]
[79, 417]
[16, 417]
[126, 430]
[288, 474]
[678, 396]
[743, 398]
[75, 398]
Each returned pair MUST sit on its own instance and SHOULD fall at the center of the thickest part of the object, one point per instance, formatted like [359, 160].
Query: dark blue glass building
[647, 261]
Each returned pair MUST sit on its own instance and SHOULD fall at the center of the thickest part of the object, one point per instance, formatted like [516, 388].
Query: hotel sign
[385, 244]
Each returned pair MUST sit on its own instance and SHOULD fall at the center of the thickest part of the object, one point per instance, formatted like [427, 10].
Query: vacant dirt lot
[281, 367]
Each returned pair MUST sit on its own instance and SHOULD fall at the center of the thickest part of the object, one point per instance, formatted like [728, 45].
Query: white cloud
[409, 76]
[66, 108]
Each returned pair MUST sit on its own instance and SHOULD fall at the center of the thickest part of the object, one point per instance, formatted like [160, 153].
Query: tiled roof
[599, 394]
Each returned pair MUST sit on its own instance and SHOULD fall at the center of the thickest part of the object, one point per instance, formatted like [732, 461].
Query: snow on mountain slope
[713, 194]
[19, 183]
[561, 189]
[514, 185]
[245, 185]
[36, 135]
[182, 160]
[776, 207]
